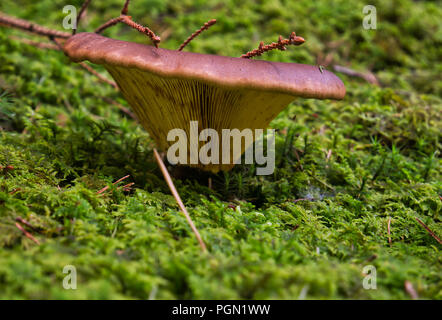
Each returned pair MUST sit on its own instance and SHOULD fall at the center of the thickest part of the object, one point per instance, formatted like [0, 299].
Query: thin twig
[372, 257]
[125, 9]
[178, 199]
[368, 76]
[108, 24]
[7, 168]
[388, 230]
[410, 290]
[25, 222]
[155, 39]
[323, 182]
[27, 234]
[37, 44]
[53, 35]
[206, 26]
[429, 231]
[121, 107]
[15, 191]
[127, 187]
[107, 187]
[99, 76]
[329, 153]
[303, 199]
[124, 18]
[80, 14]
[298, 158]
[280, 45]
[88, 68]
[31, 27]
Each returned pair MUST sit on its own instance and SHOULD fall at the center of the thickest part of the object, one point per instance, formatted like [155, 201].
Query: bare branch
[429, 231]
[88, 68]
[280, 45]
[155, 39]
[388, 230]
[206, 26]
[410, 290]
[125, 9]
[53, 35]
[26, 223]
[31, 27]
[80, 14]
[178, 199]
[119, 180]
[368, 76]
[124, 18]
[27, 234]
[99, 76]
[108, 24]
[121, 107]
[37, 44]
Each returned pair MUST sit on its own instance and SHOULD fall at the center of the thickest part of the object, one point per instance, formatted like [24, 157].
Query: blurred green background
[306, 231]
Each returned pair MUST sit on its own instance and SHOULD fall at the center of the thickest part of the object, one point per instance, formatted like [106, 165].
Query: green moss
[309, 228]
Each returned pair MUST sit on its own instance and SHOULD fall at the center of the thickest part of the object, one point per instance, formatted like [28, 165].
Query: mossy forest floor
[65, 141]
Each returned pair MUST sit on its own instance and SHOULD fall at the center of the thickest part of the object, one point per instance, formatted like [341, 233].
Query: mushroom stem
[206, 26]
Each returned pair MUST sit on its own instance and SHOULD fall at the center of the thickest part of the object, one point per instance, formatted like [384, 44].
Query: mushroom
[168, 89]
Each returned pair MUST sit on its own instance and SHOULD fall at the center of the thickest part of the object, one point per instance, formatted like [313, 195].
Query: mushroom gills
[163, 104]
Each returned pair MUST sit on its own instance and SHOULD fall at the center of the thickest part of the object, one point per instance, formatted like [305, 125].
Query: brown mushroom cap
[291, 78]
[167, 89]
